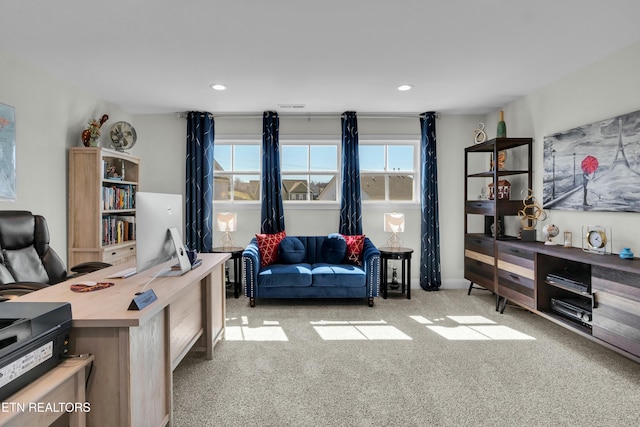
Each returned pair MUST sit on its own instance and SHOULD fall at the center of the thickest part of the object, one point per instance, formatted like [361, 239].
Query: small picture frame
[567, 239]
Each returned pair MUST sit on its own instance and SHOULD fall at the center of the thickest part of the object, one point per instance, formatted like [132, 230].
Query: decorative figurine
[550, 231]
[91, 134]
[480, 134]
[529, 215]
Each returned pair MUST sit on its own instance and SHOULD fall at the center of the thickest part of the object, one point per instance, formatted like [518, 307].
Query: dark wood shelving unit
[481, 257]
[516, 271]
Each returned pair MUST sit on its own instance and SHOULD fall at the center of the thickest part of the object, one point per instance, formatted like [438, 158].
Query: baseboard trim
[446, 284]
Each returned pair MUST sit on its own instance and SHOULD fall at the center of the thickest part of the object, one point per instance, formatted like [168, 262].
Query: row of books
[118, 229]
[118, 197]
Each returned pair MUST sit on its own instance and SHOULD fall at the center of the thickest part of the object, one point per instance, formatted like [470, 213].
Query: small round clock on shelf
[596, 239]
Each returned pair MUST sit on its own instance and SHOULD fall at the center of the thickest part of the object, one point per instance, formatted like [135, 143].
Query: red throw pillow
[354, 248]
[268, 247]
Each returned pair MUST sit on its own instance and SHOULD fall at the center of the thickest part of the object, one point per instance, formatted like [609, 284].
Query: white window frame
[232, 201]
[306, 141]
[386, 142]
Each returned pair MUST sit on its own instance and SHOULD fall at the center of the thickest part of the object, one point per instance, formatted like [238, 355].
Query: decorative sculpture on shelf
[529, 215]
[91, 134]
[480, 135]
[550, 231]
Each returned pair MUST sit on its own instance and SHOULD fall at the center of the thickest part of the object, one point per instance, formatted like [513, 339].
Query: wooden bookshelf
[102, 187]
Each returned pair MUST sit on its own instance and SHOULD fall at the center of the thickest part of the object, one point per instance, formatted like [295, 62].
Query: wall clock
[596, 239]
[123, 136]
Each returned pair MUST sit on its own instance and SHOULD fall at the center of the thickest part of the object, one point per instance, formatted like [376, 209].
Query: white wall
[605, 89]
[50, 115]
[161, 142]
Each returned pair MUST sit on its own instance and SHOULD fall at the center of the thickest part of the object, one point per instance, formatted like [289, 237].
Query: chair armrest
[88, 267]
[371, 264]
[251, 267]
[16, 289]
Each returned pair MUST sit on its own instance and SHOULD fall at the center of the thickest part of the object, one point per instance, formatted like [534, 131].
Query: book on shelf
[120, 196]
[118, 229]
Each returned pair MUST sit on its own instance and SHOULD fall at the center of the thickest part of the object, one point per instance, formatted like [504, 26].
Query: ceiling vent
[291, 106]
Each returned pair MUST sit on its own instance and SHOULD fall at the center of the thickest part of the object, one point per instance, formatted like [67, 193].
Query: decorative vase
[502, 127]
[626, 253]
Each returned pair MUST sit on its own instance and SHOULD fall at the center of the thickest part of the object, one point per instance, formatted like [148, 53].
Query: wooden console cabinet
[613, 291]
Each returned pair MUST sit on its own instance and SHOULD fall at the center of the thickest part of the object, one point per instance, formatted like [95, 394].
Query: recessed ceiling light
[405, 87]
[218, 87]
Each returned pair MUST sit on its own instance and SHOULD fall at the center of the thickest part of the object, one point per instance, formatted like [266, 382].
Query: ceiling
[462, 56]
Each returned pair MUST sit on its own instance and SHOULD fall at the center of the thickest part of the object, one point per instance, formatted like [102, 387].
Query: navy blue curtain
[350, 203]
[430, 279]
[199, 181]
[272, 211]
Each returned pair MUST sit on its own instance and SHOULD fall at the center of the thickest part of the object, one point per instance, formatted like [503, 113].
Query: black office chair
[27, 262]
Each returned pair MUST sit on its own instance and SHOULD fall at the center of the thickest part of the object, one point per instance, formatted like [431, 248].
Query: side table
[404, 254]
[236, 257]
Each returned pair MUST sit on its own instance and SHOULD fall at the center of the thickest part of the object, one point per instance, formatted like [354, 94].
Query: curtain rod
[315, 116]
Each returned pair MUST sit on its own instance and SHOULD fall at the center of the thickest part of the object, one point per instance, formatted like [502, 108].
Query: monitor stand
[184, 264]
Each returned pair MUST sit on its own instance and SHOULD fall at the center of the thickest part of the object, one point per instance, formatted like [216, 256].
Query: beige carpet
[440, 359]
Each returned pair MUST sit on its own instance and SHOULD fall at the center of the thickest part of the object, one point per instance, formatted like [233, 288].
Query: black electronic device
[573, 278]
[34, 338]
[573, 308]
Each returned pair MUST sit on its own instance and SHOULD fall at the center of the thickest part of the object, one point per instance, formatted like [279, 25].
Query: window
[236, 175]
[387, 172]
[309, 172]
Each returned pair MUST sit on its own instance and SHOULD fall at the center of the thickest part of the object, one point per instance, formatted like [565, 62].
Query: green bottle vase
[502, 127]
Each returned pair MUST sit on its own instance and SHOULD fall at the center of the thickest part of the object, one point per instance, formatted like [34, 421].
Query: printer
[34, 337]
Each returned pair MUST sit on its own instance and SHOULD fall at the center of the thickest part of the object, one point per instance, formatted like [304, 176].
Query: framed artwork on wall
[595, 167]
[7, 152]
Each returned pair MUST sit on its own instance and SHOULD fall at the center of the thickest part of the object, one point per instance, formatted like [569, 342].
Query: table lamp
[226, 222]
[394, 224]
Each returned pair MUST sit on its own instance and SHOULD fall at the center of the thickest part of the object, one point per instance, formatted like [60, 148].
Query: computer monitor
[159, 232]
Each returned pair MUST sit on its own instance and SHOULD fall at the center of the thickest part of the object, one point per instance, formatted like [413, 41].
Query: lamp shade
[226, 221]
[394, 222]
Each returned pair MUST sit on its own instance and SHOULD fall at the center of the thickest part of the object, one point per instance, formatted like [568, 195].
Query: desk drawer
[120, 255]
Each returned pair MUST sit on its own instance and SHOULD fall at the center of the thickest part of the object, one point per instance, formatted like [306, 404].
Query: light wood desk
[137, 351]
[64, 383]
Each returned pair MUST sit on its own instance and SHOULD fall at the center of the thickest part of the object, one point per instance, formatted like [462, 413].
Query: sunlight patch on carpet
[422, 320]
[348, 322]
[261, 333]
[499, 332]
[479, 333]
[458, 333]
[471, 320]
[360, 332]
[472, 328]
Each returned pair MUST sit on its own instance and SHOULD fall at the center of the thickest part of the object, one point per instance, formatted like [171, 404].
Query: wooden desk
[137, 351]
[64, 383]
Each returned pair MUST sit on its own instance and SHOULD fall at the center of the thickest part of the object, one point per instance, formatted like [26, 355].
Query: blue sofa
[314, 277]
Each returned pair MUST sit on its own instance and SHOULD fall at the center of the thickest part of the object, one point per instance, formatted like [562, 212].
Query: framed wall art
[7, 152]
[595, 167]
